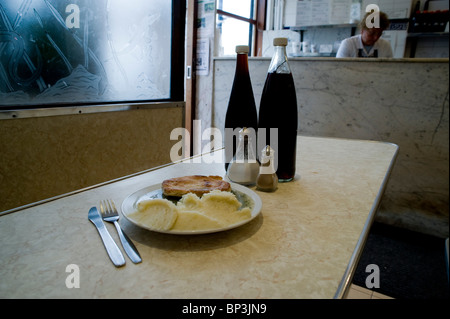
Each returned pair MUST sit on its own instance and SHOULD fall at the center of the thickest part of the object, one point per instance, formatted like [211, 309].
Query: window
[240, 22]
[89, 52]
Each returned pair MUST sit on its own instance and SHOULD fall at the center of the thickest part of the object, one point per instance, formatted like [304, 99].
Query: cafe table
[305, 242]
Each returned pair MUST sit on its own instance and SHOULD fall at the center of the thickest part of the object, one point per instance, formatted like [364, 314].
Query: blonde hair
[384, 21]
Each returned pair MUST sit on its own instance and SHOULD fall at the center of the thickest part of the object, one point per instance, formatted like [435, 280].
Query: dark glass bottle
[278, 111]
[241, 110]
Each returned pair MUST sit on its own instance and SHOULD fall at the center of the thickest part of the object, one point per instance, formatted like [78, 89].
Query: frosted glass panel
[84, 51]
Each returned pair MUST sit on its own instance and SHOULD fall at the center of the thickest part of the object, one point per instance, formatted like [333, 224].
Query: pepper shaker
[267, 179]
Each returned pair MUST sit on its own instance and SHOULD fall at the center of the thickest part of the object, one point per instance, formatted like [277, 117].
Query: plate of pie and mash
[191, 205]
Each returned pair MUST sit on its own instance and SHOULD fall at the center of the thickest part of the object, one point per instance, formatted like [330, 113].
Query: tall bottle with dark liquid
[278, 115]
[241, 110]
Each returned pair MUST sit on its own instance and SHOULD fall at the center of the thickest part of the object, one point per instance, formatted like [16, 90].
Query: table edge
[346, 281]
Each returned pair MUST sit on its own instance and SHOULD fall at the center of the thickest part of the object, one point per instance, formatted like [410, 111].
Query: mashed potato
[213, 210]
[159, 214]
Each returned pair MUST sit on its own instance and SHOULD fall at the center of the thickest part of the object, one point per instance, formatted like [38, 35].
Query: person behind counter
[368, 43]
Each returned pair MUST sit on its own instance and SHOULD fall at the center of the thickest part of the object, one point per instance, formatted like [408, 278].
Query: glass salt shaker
[244, 167]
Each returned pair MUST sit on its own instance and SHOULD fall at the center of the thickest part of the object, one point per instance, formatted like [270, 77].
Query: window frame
[257, 25]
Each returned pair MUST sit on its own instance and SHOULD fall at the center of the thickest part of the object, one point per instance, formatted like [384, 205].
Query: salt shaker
[267, 179]
[244, 167]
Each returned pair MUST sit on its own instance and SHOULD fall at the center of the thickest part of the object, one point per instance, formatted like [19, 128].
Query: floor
[357, 292]
[411, 265]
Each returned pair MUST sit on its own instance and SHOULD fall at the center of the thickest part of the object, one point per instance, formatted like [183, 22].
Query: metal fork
[110, 214]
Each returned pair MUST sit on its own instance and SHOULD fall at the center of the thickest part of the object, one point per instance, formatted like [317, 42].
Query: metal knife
[113, 251]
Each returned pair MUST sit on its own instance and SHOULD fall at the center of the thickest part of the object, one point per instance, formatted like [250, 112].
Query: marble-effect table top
[303, 244]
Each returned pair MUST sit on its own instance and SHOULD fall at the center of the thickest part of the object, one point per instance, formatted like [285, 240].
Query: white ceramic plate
[129, 206]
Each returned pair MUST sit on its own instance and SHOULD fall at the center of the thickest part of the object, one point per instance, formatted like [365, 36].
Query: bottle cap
[267, 151]
[247, 131]
[242, 49]
[280, 42]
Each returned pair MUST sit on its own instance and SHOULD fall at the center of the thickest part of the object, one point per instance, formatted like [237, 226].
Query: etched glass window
[84, 52]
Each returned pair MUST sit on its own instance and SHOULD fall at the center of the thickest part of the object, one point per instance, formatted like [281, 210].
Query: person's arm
[388, 50]
[345, 49]
[384, 48]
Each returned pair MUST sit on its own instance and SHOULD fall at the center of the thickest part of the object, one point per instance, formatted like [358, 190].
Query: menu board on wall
[299, 13]
[340, 10]
[395, 9]
[317, 12]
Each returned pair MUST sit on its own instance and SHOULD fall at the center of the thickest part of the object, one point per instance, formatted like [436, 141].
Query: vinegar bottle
[278, 113]
[241, 110]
